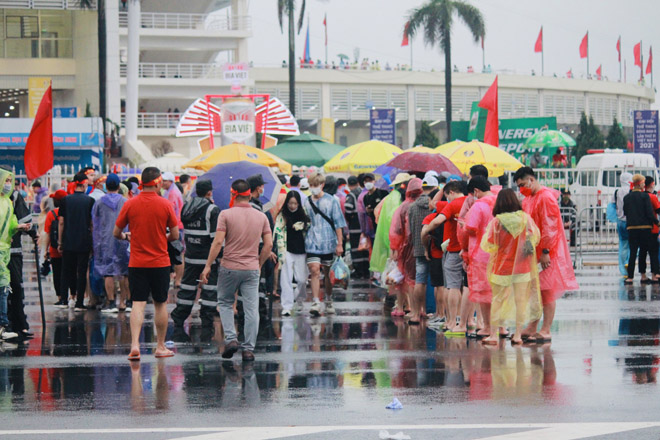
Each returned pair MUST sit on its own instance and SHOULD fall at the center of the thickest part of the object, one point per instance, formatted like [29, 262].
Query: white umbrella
[169, 162]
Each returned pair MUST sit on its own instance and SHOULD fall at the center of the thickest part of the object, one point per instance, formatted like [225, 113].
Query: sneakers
[61, 304]
[80, 308]
[111, 307]
[6, 334]
[231, 347]
[286, 312]
[298, 308]
[330, 309]
[315, 310]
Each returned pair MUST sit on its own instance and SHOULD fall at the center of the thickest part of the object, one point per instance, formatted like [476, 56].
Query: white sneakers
[315, 309]
[5, 334]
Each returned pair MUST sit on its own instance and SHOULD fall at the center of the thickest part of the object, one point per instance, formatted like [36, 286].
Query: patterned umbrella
[466, 154]
[423, 162]
[549, 138]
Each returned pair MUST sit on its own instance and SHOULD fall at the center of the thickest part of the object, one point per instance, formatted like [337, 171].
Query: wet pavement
[332, 377]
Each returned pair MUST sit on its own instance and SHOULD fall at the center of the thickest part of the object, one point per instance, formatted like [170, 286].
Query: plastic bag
[339, 273]
[365, 243]
[389, 265]
[611, 213]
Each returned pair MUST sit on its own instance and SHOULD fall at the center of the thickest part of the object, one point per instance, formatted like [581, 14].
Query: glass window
[588, 178]
[611, 178]
[56, 25]
[37, 34]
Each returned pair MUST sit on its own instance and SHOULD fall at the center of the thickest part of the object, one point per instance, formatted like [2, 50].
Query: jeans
[4, 294]
[624, 248]
[247, 282]
[639, 239]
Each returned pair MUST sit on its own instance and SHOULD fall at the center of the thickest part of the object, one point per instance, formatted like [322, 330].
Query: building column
[113, 98]
[412, 114]
[541, 103]
[239, 12]
[132, 67]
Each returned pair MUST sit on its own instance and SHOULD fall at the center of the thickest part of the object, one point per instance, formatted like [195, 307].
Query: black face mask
[402, 191]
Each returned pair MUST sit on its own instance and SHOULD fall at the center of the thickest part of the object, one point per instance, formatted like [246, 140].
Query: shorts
[323, 259]
[143, 281]
[421, 270]
[452, 265]
[465, 279]
[435, 268]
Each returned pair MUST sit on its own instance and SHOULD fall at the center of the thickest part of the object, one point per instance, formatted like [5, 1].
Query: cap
[401, 178]
[112, 182]
[168, 176]
[255, 181]
[352, 180]
[430, 182]
[566, 191]
[431, 173]
[203, 186]
[58, 195]
[304, 183]
[415, 184]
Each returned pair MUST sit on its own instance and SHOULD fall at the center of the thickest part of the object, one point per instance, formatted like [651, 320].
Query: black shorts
[435, 268]
[145, 280]
[323, 259]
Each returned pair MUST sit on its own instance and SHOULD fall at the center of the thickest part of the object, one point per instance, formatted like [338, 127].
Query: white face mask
[368, 186]
[7, 189]
[315, 190]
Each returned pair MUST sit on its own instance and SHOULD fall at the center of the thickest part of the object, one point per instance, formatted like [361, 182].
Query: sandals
[169, 354]
[134, 356]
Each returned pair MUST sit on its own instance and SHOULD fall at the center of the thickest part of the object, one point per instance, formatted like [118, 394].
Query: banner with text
[36, 89]
[645, 132]
[382, 125]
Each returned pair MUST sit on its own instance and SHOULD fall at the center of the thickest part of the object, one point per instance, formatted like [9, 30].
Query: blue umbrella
[224, 174]
[387, 174]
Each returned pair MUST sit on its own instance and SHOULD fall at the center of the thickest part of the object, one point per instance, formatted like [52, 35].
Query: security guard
[200, 218]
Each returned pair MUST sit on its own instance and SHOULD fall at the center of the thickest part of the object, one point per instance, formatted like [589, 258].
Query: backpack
[437, 236]
[54, 230]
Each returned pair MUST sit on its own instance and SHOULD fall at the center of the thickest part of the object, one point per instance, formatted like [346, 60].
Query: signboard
[238, 125]
[382, 125]
[328, 129]
[476, 114]
[76, 157]
[236, 74]
[36, 89]
[65, 112]
[645, 132]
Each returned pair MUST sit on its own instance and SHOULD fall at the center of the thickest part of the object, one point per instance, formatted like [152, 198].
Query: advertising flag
[584, 46]
[39, 151]
[489, 102]
[637, 51]
[538, 47]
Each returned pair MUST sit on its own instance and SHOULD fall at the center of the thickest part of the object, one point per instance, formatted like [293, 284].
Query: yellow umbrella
[235, 153]
[422, 149]
[466, 154]
[362, 158]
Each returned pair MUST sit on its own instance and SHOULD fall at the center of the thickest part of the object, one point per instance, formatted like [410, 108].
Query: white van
[598, 175]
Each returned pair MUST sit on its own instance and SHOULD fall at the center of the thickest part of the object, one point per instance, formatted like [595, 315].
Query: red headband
[235, 194]
[154, 182]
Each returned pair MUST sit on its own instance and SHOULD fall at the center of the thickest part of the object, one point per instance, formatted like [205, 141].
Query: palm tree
[435, 20]
[287, 7]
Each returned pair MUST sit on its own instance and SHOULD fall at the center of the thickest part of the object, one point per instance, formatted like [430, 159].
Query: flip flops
[169, 354]
[134, 357]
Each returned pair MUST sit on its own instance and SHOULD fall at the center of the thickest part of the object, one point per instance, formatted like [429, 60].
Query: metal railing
[175, 70]
[45, 4]
[170, 20]
[595, 235]
[155, 120]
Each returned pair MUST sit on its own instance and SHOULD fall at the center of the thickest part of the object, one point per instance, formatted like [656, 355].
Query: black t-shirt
[295, 240]
[372, 200]
[76, 210]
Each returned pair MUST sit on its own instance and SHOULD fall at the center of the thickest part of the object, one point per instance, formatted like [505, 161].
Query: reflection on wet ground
[605, 342]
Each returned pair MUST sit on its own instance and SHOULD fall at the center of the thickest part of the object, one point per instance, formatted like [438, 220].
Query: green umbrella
[549, 138]
[306, 150]
[343, 56]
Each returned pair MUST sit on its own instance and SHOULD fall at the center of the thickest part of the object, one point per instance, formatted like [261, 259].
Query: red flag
[599, 72]
[405, 41]
[325, 23]
[649, 64]
[538, 47]
[482, 41]
[637, 50]
[618, 47]
[569, 74]
[39, 154]
[489, 102]
[584, 46]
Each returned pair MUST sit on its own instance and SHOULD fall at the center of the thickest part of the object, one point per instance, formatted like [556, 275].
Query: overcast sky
[512, 26]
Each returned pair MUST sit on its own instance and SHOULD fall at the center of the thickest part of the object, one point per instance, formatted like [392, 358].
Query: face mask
[527, 192]
[7, 189]
[261, 192]
[369, 186]
[316, 190]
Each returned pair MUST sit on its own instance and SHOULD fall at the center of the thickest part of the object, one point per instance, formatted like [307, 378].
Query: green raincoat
[381, 250]
[8, 227]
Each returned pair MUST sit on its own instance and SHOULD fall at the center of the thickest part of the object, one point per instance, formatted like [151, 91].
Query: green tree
[435, 20]
[616, 138]
[426, 137]
[288, 7]
[590, 137]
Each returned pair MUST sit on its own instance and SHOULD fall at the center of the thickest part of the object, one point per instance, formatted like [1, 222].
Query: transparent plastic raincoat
[400, 239]
[476, 221]
[8, 227]
[511, 239]
[543, 207]
[381, 249]
[110, 255]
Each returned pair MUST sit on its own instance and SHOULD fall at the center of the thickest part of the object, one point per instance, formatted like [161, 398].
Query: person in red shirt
[51, 230]
[653, 244]
[452, 263]
[434, 255]
[148, 216]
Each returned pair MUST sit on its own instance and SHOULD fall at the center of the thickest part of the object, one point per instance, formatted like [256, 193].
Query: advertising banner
[36, 89]
[645, 132]
[383, 125]
[236, 74]
[65, 112]
[238, 121]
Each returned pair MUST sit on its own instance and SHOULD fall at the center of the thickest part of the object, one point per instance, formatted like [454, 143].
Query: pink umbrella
[423, 162]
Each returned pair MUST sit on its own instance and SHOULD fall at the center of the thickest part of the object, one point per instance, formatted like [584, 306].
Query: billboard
[36, 89]
[382, 125]
[238, 121]
[645, 132]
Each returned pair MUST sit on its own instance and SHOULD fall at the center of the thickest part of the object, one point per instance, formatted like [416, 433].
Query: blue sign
[59, 139]
[645, 132]
[65, 112]
[383, 125]
[76, 157]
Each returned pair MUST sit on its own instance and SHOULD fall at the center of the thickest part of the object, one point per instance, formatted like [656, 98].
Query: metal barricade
[594, 234]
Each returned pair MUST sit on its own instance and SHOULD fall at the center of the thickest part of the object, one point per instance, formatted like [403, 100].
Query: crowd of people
[494, 261]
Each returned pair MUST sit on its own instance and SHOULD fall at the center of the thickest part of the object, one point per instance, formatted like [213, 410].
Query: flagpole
[641, 59]
[325, 22]
[483, 55]
[542, 53]
[619, 58]
[587, 54]
[411, 54]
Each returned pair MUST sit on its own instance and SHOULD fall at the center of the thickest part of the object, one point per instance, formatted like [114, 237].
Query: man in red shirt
[452, 263]
[51, 240]
[148, 216]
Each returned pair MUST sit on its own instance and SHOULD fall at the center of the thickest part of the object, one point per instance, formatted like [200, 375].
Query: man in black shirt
[75, 244]
[373, 197]
[360, 258]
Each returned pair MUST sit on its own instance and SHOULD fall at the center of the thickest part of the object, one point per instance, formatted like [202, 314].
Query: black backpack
[54, 231]
[437, 235]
